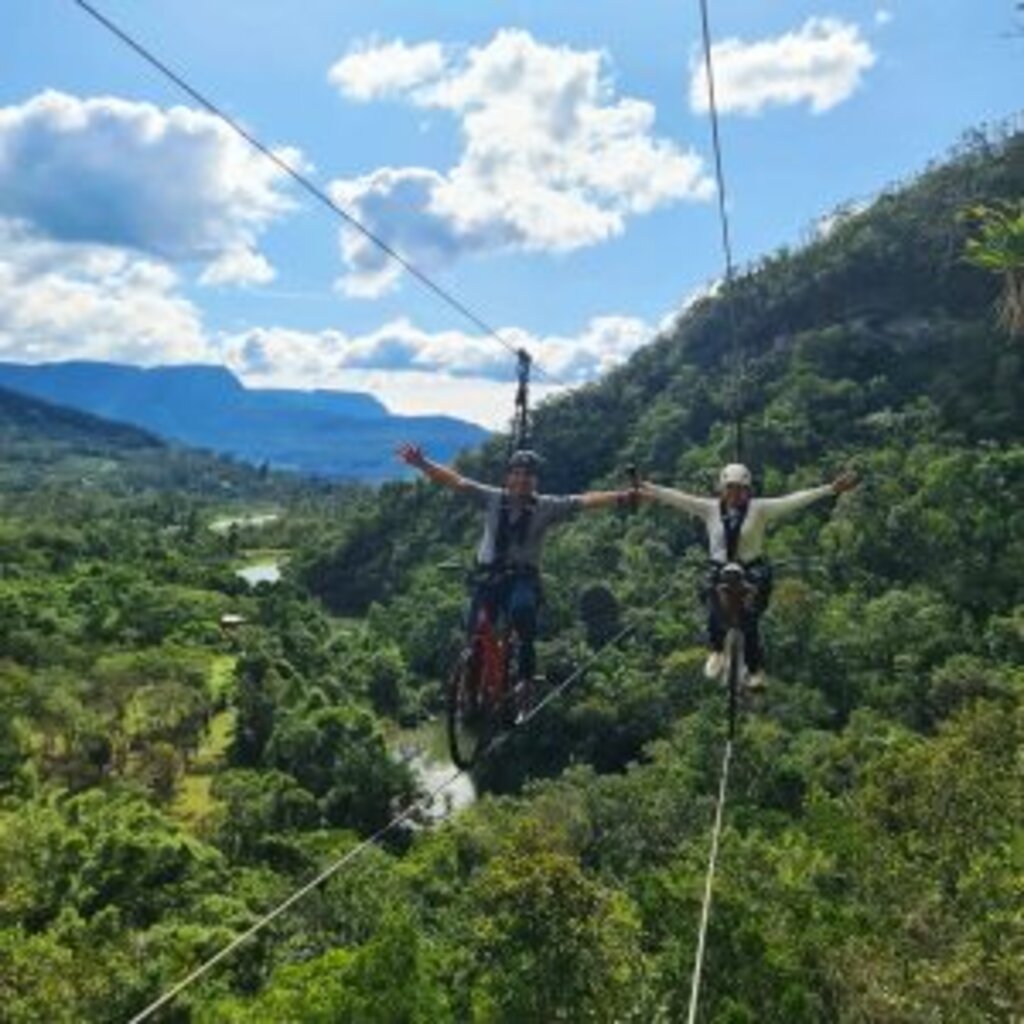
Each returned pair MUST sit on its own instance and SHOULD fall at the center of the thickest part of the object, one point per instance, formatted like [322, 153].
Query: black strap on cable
[521, 418]
[738, 364]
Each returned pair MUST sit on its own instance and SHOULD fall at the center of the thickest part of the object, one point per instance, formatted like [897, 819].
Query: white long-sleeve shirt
[760, 512]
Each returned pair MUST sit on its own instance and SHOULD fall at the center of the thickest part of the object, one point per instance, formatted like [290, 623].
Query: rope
[723, 217]
[422, 804]
[305, 183]
[709, 880]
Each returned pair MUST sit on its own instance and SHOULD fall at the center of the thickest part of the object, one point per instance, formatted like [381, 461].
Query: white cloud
[401, 347]
[821, 64]
[241, 266]
[883, 17]
[371, 72]
[414, 370]
[552, 160]
[81, 301]
[176, 183]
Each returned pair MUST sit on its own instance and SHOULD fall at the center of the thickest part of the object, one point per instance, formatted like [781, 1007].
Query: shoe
[715, 665]
[756, 682]
[522, 700]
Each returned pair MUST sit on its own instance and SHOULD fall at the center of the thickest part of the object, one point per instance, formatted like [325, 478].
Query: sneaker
[756, 682]
[715, 665]
[522, 700]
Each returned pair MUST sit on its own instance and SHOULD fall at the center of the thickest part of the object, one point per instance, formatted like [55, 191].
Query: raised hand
[846, 481]
[411, 455]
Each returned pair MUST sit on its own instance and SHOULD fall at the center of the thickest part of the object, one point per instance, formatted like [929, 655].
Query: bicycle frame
[490, 643]
[479, 694]
[735, 595]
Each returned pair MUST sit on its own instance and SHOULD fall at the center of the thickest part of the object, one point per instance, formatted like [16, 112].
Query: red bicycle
[480, 695]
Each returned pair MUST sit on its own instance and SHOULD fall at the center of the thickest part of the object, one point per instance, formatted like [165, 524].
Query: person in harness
[736, 524]
[516, 518]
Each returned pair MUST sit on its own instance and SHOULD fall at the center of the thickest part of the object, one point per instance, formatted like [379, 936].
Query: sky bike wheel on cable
[734, 663]
[467, 716]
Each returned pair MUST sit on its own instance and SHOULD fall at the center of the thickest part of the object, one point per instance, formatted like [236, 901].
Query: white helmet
[734, 473]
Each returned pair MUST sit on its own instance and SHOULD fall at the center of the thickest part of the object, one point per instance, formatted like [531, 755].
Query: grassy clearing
[193, 805]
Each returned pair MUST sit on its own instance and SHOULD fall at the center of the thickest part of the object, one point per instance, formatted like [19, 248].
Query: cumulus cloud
[370, 72]
[81, 301]
[417, 371]
[241, 266]
[552, 160]
[176, 184]
[401, 347]
[821, 64]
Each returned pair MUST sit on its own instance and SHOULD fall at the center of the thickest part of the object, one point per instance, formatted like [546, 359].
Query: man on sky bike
[516, 518]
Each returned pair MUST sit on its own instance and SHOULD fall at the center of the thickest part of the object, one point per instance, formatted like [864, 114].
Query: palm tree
[998, 245]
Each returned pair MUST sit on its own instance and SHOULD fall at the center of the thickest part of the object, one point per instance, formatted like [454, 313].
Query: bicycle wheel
[734, 665]
[468, 728]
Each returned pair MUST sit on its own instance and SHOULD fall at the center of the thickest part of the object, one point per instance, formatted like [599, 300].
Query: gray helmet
[524, 458]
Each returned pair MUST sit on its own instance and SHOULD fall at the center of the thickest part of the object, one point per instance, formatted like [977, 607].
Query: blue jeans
[513, 597]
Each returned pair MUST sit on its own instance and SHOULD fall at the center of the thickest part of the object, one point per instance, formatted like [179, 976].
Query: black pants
[759, 574]
[514, 596]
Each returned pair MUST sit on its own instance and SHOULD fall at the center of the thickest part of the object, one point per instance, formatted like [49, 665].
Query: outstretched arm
[677, 499]
[608, 499]
[413, 455]
[800, 499]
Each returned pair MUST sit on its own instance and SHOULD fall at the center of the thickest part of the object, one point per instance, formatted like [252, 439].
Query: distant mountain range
[43, 445]
[335, 434]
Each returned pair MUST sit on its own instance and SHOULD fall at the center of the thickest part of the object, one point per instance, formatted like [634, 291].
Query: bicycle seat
[732, 574]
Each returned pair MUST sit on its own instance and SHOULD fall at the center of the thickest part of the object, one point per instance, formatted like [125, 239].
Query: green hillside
[53, 447]
[167, 776]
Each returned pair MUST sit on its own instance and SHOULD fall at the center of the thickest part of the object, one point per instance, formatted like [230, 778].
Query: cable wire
[423, 803]
[723, 217]
[309, 186]
[709, 881]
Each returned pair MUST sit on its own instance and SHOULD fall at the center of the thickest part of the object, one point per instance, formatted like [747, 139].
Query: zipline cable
[737, 411]
[709, 882]
[723, 217]
[309, 186]
[423, 803]
[267, 918]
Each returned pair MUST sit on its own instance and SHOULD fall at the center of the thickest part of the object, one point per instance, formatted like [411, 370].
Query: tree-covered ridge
[45, 446]
[165, 779]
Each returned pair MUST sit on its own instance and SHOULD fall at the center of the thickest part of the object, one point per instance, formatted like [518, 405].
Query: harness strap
[732, 523]
[509, 532]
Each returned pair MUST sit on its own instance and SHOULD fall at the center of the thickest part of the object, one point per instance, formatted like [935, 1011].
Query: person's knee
[522, 610]
[524, 618]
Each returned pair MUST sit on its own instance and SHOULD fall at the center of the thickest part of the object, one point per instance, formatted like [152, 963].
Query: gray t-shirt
[524, 542]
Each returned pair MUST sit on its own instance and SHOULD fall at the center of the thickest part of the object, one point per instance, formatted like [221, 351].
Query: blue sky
[548, 163]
